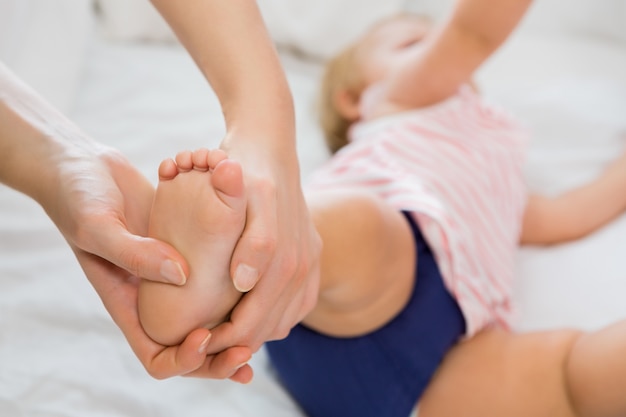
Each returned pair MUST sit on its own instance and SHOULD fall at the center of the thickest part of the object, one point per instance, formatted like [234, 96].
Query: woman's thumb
[142, 256]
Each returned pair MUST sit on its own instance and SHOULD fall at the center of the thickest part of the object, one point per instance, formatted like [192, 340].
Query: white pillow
[45, 42]
[435, 9]
[586, 17]
[133, 20]
[322, 28]
[604, 18]
[317, 28]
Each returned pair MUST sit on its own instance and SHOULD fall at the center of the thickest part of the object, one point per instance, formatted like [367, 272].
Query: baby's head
[380, 51]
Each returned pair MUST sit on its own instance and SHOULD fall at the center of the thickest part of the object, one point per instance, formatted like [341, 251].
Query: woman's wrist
[46, 154]
[36, 141]
[59, 161]
[29, 154]
[266, 132]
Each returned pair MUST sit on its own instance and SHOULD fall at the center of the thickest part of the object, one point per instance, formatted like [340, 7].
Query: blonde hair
[341, 74]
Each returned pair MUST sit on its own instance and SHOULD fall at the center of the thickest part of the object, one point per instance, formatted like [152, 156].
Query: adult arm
[279, 247]
[100, 204]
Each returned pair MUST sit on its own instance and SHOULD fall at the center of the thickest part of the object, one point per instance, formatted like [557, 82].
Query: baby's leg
[541, 374]
[596, 371]
[200, 209]
[367, 263]
[497, 373]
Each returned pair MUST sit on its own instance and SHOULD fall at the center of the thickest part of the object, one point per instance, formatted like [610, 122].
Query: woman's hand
[278, 254]
[277, 257]
[102, 205]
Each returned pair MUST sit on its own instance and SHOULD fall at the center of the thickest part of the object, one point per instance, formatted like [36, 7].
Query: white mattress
[60, 353]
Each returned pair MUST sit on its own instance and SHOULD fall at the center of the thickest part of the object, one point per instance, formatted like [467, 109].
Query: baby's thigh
[497, 374]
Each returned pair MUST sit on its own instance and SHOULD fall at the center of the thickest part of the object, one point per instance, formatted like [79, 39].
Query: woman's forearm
[231, 46]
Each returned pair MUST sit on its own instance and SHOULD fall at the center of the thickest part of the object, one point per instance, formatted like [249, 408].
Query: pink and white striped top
[457, 166]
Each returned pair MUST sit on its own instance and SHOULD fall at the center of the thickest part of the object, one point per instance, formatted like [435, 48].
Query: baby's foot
[200, 209]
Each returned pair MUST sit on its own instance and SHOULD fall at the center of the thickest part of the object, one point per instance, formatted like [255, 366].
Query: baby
[420, 211]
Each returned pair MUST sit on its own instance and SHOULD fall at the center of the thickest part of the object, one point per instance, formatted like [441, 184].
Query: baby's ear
[347, 104]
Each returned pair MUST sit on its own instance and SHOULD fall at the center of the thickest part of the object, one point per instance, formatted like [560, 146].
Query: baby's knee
[595, 372]
[363, 207]
[574, 375]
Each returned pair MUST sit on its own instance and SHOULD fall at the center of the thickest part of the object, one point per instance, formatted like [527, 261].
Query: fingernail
[236, 368]
[205, 344]
[245, 277]
[173, 272]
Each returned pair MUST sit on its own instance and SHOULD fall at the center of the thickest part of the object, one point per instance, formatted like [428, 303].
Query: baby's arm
[575, 214]
[449, 56]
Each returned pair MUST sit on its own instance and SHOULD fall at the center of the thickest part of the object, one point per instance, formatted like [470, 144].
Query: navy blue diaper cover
[380, 374]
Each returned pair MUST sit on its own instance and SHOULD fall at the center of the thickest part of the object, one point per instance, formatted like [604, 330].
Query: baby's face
[389, 45]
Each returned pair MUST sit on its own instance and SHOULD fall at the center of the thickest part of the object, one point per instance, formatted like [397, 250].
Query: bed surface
[60, 353]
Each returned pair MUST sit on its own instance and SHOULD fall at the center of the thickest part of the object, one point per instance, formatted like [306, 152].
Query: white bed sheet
[60, 353]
